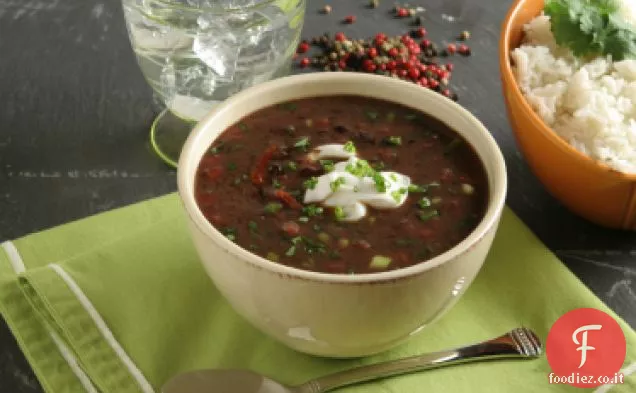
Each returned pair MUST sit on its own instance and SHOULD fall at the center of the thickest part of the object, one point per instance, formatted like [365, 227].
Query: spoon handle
[518, 343]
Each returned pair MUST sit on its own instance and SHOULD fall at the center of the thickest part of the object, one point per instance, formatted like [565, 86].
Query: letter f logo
[584, 347]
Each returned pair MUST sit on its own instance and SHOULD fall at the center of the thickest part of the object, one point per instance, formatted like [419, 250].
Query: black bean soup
[251, 185]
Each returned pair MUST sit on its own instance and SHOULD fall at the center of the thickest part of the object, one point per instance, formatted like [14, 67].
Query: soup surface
[342, 184]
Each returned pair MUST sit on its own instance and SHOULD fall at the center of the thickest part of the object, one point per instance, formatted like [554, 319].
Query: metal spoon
[518, 343]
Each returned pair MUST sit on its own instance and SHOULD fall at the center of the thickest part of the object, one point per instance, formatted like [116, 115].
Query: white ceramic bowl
[328, 314]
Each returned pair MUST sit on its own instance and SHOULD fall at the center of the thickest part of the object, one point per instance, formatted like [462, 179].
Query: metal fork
[519, 343]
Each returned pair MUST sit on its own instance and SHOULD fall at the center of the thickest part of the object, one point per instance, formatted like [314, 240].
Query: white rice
[591, 105]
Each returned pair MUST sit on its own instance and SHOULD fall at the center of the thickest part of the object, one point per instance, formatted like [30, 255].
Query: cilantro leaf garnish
[592, 28]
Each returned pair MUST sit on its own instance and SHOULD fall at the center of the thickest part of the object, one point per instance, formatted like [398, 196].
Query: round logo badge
[585, 348]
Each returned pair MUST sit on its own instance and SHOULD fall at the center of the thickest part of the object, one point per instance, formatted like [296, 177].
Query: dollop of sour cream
[352, 186]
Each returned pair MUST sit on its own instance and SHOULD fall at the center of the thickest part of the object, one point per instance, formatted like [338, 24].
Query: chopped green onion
[468, 189]
[296, 240]
[327, 165]
[410, 116]
[230, 233]
[360, 168]
[276, 183]
[452, 145]
[424, 202]
[397, 195]
[337, 183]
[404, 242]
[350, 147]
[356, 189]
[393, 177]
[243, 126]
[324, 237]
[317, 228]
[303, 219]
[312, 210]
[380, 183]
[378, 165]
[291, 251]
[310, 184]
[339, 213]
[302, 142]
[273, 207]
[394, 140]
[253, 227]
[417, 188]
[288, 106]
[427, 215]
[292, 165]
[371, 115]
[272, 256]
[380, 262]
[390, 116]
[231, 166]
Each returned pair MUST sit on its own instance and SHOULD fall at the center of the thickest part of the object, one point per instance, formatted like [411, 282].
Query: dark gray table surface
[75, 112]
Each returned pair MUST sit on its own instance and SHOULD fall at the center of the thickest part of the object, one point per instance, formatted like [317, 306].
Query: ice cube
[168, 81]
[217, 46]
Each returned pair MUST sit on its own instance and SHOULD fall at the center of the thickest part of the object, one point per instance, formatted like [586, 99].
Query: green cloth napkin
[119, 303]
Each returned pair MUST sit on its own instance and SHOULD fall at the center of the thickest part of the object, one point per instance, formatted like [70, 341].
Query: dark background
[75, 113]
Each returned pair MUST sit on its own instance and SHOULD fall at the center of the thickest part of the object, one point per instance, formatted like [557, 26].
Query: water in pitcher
[196, 53]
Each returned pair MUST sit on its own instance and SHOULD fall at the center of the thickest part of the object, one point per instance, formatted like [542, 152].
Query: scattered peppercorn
[402, 13]
[420, 32]
[303, 47]
[417, 21]
[326, 9]
[399, 57]
[350, 19]
[374, 3]
[465, 35]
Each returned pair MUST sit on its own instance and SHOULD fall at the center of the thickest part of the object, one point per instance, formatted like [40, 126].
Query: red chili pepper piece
[304, 62]
[258, 174]
[350, 19]
[291, 228]
[288, 199]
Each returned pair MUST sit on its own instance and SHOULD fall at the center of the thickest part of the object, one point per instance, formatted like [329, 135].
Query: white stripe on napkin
[14, 257]
[631, 369]
[103, 328]
[18, 266]
[72, 362]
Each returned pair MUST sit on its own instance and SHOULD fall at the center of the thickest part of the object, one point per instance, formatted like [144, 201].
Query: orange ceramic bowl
[588, 188]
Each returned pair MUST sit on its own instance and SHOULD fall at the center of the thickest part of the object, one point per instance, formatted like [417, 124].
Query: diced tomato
[206, 199]
[323, 121]
[402, 258]
[258, 174]
[213, 173]
[447, 174]
[363, 244]
[291, 228]
[288, 199]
